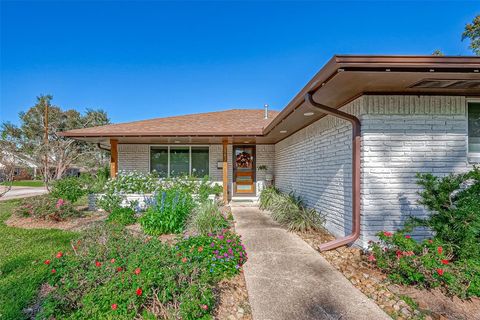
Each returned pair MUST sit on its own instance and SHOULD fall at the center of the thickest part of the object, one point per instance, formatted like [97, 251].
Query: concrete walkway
[23, 192]
[287, 279]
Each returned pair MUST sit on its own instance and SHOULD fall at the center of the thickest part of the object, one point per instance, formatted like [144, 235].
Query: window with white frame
[174, 161]
[474, 128]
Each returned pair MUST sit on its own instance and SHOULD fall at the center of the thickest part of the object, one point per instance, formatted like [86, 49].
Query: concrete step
[244, 202]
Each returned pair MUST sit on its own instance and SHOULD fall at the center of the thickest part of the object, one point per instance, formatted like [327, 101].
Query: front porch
[244, 167]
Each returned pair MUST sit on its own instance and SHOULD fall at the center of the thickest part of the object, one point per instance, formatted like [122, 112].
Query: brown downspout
[356, 130]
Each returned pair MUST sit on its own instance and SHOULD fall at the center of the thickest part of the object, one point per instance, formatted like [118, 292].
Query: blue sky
[155, 59]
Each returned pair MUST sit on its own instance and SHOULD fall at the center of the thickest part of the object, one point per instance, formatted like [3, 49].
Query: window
[200, 161]
[174, 161]
[474, 127]
[159, 160]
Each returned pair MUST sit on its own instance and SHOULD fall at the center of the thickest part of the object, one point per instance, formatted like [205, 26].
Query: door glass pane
[179, 161]
[200, 161]
[159, 160]
[474, 127]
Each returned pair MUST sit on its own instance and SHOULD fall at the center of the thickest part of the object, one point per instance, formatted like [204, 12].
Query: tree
[7, 172]
[472, 32]
[438, 52]
[26, 141]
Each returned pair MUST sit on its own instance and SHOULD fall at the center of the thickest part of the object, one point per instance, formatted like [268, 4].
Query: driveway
[287, 279]
[23, 192]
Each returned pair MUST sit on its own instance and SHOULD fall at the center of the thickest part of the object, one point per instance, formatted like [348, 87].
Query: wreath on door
[244, 160]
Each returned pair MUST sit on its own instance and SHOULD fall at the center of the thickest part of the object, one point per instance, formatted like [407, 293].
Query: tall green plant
[207, 218]
[454, 202]
[169, 212]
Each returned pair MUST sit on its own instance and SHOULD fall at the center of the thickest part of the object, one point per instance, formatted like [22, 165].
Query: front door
[244, 169]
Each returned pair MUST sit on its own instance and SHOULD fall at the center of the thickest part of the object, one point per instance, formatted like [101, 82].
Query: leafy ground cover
[22, 253]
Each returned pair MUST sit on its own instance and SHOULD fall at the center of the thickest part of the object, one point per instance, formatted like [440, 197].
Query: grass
[27, 183]
[22, 253]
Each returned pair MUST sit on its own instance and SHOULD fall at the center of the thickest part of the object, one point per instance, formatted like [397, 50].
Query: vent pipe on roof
[266, 111]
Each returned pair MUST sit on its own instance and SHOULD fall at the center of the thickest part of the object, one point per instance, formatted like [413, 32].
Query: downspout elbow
[356, 136]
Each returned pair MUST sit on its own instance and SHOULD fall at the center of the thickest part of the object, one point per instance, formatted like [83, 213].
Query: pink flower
[408, 237]
[212, 244]
[444, 261]
[200, 249]
[440, 272]
[139, 292]
[137, 271]
[371, 257]
[114, 306]
[98, 263]
[59, 255]
[204, 307]
[119, 269]
[112, 261]
[439, 250]
[387, 234]
[60, 203]
[399, 254]
[184, 260]
[47, 262]
[53, 270]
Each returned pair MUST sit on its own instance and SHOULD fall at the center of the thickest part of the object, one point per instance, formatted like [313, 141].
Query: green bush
[122, 216]
[289, 210]
[207, 218]
[112, 275]
[168, 213]
[428, 264]
[46, 207]
[69, 188]
[455, 211]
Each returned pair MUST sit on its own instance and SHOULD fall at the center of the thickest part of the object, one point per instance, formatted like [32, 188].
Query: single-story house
[349, 143]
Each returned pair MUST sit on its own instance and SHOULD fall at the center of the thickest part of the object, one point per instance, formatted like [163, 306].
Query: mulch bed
[73, 224]
[232, 299]
[430, 304]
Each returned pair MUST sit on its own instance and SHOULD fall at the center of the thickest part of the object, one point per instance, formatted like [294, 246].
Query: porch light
[308, 114]
[283, 131]
[176, 141]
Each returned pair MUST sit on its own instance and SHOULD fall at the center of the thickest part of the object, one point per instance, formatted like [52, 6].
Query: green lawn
[28, 183]
[22, 270]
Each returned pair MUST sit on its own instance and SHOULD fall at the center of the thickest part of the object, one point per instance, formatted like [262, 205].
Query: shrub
[46, 207]
[112, 275]
[289, 210]
[427, 264]
[207, 218]
[69, 188]
[454, 202]
[122, 216]
[169, 212]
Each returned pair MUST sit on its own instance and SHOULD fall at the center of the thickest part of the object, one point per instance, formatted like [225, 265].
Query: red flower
[387, 234]
[112, 261]
[399, 254]
[98, 263]
[184, 260]
[440, 272]
[408, 236]
[444, 261]
[204, 307]
[430, 241]
[371, 258]
[114, 306]
[119, 269]
[137, 271]
[139, 292]
[440, 250]
[200, 249]
[47, 262]
[53, 270]
[59, 255]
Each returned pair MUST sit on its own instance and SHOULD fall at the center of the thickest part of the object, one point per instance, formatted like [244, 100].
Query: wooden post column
[225, 172]
[113, 158]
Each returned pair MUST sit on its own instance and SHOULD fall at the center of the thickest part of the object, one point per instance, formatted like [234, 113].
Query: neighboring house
[22, 169]
[417, 114]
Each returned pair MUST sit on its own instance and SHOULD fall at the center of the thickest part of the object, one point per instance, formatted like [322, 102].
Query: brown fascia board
[163, 134]
[340, 62]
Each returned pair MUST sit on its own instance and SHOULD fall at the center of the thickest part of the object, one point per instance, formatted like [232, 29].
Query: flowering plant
[429, 263]
[46, 207]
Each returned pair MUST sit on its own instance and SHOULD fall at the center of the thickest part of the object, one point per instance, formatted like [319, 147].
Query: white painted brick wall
[265, 156]
[401, 135]
[134, 157]
[316, 164]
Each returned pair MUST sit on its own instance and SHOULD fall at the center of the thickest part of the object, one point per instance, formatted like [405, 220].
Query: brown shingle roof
[229, 122]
